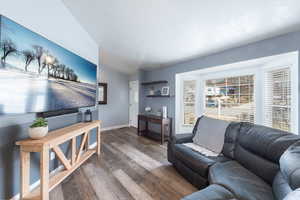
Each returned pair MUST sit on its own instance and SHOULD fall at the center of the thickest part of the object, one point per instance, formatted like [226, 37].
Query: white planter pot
[38, 132]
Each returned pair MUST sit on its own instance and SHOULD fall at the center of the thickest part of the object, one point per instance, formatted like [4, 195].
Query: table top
[152, 116]
[62, 134]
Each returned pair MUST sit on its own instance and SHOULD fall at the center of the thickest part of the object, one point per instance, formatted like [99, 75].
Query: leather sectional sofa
[256, 163]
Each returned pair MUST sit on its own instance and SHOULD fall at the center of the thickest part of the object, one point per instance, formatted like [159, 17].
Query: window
[189, 102]
[278, 99]
[230, 98]
[263, 91]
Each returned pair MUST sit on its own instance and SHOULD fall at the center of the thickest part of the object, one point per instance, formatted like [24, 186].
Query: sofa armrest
[182, 138]
[177, 139]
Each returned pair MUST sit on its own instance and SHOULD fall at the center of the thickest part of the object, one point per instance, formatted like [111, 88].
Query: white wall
[53, 20]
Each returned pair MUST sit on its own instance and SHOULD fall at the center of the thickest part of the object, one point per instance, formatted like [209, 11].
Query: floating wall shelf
[155, 82]
[158, 95]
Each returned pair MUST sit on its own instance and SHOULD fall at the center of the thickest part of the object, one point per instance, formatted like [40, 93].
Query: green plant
[39, 122]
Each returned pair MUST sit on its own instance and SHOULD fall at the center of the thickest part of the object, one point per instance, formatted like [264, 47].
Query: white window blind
[189, 102]
[230, 98]
[277, 101]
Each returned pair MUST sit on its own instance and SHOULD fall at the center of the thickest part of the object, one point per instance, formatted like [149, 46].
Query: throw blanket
[201, 150]
[211, 134]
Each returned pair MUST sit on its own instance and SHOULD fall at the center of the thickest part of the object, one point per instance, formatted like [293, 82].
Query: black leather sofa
[257, 163]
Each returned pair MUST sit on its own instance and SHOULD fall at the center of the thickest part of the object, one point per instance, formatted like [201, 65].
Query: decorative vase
[88, 116]
[164, 112]
[37, 133]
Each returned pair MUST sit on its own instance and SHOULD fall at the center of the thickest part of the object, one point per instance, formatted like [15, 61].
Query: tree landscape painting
[37, 75]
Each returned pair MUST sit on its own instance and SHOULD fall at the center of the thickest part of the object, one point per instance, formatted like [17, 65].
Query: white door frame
[133, 119]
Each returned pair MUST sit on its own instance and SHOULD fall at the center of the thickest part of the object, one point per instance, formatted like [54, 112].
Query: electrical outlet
[52, 156]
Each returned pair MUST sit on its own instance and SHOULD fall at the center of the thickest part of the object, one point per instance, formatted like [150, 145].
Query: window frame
[228, 74]
[292, 63]
[185, 128]
[183, 102]
[258, 68]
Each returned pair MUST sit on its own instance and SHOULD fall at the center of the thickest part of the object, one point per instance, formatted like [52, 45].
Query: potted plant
[38, 129]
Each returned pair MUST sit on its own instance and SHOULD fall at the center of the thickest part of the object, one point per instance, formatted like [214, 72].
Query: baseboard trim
[114, 127]
[58, 169]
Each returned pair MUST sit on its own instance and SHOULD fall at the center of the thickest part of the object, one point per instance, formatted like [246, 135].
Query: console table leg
[25, 173]
[162, 131]
[99, 141]
[73, 156]
[44, 173]
[138, 126]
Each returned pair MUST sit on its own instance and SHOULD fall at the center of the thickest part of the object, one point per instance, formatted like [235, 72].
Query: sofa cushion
[230, 140]
[210, 134]
[259, 148]
[194, 160]
[240, 181]
[194, 178]
[258, 165]
[266, 142]
[212, 192]
[200, 149]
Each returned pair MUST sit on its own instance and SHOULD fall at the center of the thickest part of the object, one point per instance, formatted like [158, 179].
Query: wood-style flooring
[130, 168]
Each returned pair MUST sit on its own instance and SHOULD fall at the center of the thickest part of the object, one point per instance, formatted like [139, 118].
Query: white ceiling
[145, 34]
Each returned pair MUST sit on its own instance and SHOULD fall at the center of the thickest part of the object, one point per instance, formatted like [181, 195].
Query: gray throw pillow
[211, 133]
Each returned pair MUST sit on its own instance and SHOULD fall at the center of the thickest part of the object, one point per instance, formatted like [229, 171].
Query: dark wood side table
[165, 127]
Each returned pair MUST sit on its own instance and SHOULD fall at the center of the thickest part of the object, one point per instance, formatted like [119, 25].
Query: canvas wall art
[37, 75]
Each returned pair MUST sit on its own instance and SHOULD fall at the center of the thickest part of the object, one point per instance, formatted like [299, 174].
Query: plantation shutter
[189, 102]
[277, 101]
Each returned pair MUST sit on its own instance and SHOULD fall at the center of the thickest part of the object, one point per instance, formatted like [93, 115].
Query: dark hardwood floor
[130, 168]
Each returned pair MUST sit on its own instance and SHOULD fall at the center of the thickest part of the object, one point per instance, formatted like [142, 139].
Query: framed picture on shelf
[102, 90]
[165, 91]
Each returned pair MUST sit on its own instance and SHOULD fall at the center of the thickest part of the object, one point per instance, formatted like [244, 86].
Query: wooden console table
[52, 142]
[164, 123]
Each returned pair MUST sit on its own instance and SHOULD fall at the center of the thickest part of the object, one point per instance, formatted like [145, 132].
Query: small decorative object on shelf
[151, 91]
[38, 129]
[88, 116]
[148, 109]
[165, 91]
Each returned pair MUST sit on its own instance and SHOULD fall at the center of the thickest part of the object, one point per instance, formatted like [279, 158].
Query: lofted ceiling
[147, 34]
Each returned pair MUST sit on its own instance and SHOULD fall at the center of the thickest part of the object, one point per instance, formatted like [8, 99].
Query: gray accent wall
[273, 46]
[116, 111]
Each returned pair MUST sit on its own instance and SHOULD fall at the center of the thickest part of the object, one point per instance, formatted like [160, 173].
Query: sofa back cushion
[210, 134]
[230, 139]
[259, 148]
